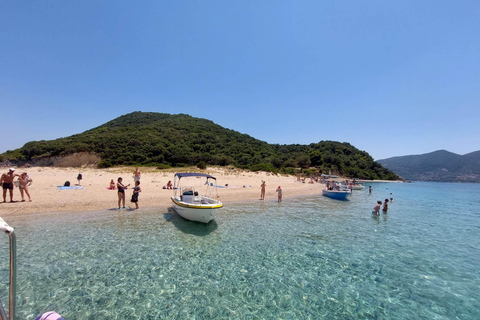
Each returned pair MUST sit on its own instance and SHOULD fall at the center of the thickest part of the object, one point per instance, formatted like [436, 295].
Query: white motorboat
[189, 204]
[355, 184]
[357, 187]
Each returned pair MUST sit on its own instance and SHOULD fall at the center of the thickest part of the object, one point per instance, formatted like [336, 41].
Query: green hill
[439, 165]
[158, 139]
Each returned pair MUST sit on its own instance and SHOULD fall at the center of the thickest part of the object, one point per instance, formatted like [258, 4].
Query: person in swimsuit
[112, 185]
[385, 206]
[7, 183]
[279, 191]
[136, 190]
[25, 182]
[262, 193]
[121, 193]
[376, 209]
[136, 175]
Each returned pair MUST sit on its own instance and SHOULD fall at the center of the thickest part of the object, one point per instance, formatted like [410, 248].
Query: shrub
[104, 164]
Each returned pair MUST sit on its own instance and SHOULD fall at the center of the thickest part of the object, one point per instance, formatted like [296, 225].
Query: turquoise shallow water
[307, 258]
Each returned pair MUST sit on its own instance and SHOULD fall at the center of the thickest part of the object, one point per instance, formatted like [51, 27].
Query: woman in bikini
[121, 193]
[25, 181]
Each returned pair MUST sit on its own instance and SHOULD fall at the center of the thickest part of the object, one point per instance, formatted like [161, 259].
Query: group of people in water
[23, 182]
[376, 209]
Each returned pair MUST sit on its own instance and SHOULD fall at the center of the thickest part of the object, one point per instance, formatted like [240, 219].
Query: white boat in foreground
[189, 204]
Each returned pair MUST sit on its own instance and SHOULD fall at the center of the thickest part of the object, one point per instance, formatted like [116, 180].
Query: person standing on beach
[79, 178]
[121, 193]
[136, 190]
[376, 209]
[279, 191]
[25, 182]
[7, 183]
[136, 175]
[262, 193]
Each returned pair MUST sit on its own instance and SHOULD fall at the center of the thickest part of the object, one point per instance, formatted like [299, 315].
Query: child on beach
[279, 191]
[136, 190]
[376, 209]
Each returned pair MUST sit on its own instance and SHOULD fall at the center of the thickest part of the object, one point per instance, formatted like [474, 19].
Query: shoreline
[95, 196]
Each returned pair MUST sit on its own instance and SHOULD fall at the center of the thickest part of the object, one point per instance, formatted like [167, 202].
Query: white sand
[46, 198]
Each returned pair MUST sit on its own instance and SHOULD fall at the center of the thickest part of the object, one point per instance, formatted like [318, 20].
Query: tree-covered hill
[158, 139]
[439, 165]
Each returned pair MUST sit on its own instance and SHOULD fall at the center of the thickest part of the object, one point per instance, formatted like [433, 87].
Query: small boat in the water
[336, 191]
[336, 194]
[355, 184]
[189, 204]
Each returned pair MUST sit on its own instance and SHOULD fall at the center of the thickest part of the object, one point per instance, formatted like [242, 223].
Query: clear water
[307, 258]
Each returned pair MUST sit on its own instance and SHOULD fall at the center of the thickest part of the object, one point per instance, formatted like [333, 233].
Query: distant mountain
[166, 140]
[439, 165]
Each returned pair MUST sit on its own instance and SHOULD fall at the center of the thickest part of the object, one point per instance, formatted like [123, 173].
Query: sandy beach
[46, 198]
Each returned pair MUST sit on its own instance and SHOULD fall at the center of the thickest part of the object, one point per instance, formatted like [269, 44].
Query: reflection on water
[306, 258]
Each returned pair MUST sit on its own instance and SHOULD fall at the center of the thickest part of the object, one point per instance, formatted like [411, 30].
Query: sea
[309, 257]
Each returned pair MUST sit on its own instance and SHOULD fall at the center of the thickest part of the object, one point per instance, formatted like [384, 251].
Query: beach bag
[135, 197]
[66, 184]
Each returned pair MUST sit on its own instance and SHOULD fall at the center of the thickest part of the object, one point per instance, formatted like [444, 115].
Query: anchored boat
[336, 191]
[189, 204]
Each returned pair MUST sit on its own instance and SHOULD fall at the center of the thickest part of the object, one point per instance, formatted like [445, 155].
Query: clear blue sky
[390, 77]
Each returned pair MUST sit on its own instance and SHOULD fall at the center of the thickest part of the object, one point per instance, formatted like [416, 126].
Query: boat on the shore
[336, 194]
[335, 190]
[189, 204]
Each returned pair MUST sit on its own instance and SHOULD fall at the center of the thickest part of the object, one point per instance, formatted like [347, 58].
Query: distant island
[165, 140]
[441, 166]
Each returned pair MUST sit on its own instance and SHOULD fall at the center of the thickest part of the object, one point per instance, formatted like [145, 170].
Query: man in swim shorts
[7, 183]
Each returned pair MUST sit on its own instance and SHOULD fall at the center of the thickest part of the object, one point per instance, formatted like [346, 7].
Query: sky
[392, 78]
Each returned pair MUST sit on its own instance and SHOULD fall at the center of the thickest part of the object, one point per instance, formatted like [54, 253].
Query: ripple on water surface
[307, 258]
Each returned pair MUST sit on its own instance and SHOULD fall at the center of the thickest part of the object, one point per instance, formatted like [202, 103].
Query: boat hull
[196, 211]
[335, 194]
